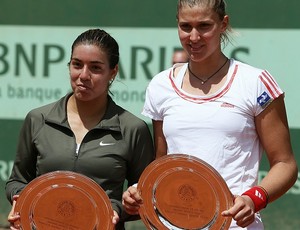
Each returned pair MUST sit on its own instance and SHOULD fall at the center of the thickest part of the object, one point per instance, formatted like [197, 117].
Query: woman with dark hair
[85, 131]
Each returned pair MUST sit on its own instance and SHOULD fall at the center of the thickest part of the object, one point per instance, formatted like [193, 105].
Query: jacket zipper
[77, 149]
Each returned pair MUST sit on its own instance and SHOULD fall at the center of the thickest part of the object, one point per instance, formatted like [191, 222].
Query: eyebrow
[93, 62]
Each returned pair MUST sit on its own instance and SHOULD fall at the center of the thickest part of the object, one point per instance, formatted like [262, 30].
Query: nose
[85, 73]
[194, 35]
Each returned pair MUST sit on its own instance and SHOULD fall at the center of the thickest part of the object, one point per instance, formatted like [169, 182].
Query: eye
[205, 26]
[96, 68]
[185, 27]
[76, 64]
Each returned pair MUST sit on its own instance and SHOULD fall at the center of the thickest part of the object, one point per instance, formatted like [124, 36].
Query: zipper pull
[77, 149]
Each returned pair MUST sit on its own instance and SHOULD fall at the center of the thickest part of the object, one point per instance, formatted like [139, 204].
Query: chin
[82, 96]
[197, 58]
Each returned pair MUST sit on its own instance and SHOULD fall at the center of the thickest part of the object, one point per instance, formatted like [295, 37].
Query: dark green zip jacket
[117, 149]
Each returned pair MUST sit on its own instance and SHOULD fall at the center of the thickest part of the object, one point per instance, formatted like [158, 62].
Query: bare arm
[272, 128]
[159, 139]
[273, 131]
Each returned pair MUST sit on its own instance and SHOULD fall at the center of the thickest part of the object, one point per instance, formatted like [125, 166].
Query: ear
[114, 72]
[225, 23]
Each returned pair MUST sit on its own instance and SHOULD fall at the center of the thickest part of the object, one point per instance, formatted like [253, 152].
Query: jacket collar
[110, 120]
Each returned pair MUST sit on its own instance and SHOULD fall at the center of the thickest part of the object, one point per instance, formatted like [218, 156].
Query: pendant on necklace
[203, 81]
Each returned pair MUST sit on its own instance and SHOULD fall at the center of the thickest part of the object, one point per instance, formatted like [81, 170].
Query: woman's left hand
[242, 211]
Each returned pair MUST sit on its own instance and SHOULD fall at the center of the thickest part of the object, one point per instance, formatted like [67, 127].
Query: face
[199, 30]
[90, 73]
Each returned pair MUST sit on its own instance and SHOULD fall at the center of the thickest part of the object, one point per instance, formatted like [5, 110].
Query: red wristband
[259, 196]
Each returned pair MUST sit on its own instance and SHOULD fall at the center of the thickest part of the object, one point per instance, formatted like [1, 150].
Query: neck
[94, 108]
[205, 79]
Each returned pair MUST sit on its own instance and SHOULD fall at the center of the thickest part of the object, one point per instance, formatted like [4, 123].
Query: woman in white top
[222, 111]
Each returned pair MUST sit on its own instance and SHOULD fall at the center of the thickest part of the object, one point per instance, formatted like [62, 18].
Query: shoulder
[246, 69]
[161, 78]
[250, 75]
[131, 119]
[46, 109]
[126, 119]
[52, 111]
[35, 119]
[133, 127]
[39, 113]
[42, 110]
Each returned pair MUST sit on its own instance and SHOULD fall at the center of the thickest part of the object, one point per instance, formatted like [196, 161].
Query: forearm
[280, 179]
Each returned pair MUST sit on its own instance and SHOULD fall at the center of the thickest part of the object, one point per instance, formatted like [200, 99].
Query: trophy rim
[60, 197]
[162, 181]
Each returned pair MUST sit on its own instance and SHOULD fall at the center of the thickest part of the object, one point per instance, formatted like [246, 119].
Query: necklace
[202, 80]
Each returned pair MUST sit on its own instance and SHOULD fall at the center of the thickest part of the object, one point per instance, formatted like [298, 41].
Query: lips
[82, 87]
[195, 48]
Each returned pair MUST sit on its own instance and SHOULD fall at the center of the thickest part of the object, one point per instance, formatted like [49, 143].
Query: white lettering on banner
[5, 169]
[41, 94]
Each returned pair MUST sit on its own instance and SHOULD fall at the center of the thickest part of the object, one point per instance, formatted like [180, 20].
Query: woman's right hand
[132, 200]
[12, 216]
